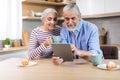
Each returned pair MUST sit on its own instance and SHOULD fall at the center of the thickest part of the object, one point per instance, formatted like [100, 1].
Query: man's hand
[83, 54]
[74, 49]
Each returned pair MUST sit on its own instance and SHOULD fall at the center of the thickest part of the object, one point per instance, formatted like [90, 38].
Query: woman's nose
[53, 21]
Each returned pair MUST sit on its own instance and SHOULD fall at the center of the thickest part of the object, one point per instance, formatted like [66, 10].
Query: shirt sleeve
[36, 50]
[93, 42]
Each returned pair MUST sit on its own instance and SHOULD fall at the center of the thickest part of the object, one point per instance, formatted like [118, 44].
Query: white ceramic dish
[38, 14]
[30, 64]
[103, 66]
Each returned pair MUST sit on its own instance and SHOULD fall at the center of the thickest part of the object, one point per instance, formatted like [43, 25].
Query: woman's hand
[48, 41]
[57, 60]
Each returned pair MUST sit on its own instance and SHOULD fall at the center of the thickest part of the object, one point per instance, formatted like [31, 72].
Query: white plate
[30, 64]
[103, 66]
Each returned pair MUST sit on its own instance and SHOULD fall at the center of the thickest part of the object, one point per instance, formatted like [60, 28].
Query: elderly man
[81, 34]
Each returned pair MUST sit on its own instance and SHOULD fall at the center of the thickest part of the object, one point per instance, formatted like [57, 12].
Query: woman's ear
[43, 20]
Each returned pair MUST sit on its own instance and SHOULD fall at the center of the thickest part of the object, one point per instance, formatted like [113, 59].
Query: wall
[31, 24]
[112, 25]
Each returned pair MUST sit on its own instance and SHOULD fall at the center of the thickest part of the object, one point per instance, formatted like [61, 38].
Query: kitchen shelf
[39, 6]
[113, 14]
[30, 18]
[44, 2]
[36, 18]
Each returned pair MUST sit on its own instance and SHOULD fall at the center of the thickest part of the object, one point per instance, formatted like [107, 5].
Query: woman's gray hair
[46, 11]
[72, 6]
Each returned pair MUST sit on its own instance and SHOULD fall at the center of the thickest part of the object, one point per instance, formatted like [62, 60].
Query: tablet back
[63, 50]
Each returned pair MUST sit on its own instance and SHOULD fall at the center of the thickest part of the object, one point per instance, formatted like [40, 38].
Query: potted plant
[7, 43]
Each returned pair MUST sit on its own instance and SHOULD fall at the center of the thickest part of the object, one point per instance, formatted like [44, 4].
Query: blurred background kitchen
[19, 17]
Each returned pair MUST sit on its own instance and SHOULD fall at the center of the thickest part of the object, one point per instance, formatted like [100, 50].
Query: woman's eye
[55, 19]
[49, 19]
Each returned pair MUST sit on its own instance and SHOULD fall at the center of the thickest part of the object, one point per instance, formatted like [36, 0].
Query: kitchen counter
[12, 49]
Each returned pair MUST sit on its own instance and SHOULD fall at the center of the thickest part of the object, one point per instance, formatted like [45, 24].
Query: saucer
[103, 66]
[30, 64]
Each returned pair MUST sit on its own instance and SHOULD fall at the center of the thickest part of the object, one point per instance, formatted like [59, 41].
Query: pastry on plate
[111, 65]
[25, 62]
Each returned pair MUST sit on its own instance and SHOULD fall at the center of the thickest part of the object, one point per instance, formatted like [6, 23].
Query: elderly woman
[40, 39]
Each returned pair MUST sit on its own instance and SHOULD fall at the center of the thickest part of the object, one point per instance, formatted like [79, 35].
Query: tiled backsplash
[112, 26]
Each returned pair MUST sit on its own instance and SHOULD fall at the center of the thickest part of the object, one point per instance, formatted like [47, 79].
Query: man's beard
[72, 29]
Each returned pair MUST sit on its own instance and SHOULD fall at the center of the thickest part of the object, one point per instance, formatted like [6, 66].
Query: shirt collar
[79, 26]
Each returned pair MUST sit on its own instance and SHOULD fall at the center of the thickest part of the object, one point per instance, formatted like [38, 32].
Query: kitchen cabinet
[29, 7]
[88, 7]
[112, 6]
[99, 8]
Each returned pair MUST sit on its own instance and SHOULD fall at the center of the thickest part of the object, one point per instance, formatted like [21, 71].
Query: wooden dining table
[79, 69]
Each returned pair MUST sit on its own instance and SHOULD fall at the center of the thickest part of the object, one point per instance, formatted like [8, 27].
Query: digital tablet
[63, 50]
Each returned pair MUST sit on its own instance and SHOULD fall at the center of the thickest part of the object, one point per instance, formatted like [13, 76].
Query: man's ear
[79, 16]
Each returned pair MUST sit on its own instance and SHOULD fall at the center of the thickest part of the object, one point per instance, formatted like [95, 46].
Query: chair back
[110, 52]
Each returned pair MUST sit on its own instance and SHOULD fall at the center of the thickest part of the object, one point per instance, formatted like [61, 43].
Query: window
[10, 19]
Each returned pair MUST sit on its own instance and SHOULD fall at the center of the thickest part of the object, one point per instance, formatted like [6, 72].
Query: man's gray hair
[46, 11]
[72, 6]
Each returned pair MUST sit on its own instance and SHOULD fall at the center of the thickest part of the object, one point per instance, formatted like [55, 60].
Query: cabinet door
[88, 7]
[112, 6]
